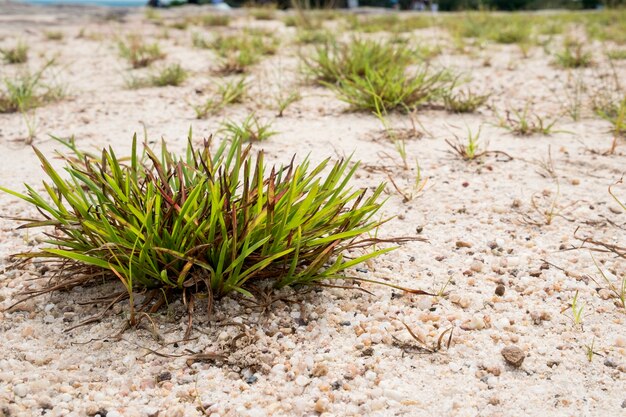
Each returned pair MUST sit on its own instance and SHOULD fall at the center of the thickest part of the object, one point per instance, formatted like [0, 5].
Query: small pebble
[302, 380]
[21, 390]
[500, 290]
[513, 355]
[476, 266]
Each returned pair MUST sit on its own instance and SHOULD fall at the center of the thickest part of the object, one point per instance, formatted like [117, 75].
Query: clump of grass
[199, 41]
[392, 88]
[15, 55]
[574, 96]
[373, 75]
[180, 24]
[391, 22]
[510, 33]
[238, 62]
[263, 13]
[334, 61]
[238, 52]
[251, 129]
[615, 113]
[616, 54]
[228, 93]
[169, 75]
[285, 100]
[307, 20]
[153, 16]
[313, 37]
[467, 151]
[215, 20]
[206, 224]
[464, 101]
[54, 35]
[524, 123]
[173, 74]
[27, 91]
[138, 53]
[372, 24]
[574, 55]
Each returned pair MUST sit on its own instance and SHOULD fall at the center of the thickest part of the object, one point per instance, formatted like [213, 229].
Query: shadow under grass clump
[206, 224]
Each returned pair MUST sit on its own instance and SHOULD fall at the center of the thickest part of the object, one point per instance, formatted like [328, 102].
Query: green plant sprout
[251, 129]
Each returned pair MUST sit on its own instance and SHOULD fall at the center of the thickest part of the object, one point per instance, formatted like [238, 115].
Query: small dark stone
[100, 413]
[345, 323]
[419, 229]
[251, 379]
[610, 363]
[164, 376]
[335, 385]
[412, 259]
[624, 404]
[553, 363]
[301, 322]
[367, 352]
[395, 295]
[500, 290]
[363, 270]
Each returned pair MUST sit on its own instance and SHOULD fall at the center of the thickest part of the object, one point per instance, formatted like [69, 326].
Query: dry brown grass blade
[100, 315]
[204, 357]
[439, 340]
[602, 246]
[345, 287]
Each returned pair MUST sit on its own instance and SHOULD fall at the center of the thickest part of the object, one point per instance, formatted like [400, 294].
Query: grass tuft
[373, 75]
[27, 91]
[15, 55]
[393, 89]
[54, 35]
[228, 93]
[524, 123]
[139, 54]
[172, 74]
[213, 20]
[464, 101]
[252, 129]
[238, 52]
[210, 221]
[334, 61]
[573, 55]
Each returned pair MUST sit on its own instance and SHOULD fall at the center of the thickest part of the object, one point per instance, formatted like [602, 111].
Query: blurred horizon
[441, 5]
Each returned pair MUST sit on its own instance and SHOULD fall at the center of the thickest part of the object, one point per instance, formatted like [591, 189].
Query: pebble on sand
[513, 355]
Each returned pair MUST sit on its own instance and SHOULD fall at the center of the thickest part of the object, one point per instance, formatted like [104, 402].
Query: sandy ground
[330, 351]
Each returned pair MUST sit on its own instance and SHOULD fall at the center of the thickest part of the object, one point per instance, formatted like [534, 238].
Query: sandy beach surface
[505, 271]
